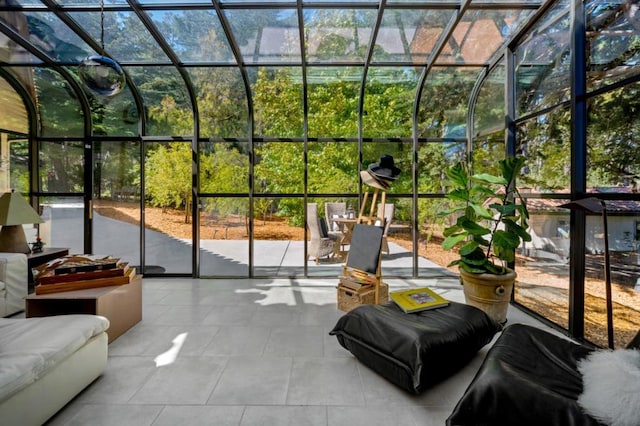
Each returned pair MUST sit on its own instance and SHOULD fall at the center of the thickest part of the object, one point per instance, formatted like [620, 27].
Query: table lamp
[15, 212]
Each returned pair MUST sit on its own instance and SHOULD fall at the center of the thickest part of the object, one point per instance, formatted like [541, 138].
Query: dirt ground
[540, 288]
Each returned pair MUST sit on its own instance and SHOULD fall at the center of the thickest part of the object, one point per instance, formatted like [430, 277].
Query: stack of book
[77, 272]
[357, 281]
[357, 288]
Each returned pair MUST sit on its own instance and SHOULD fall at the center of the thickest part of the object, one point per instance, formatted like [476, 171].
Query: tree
[168, 176]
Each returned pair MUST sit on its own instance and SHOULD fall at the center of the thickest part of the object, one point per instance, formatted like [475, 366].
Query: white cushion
[611, 386]
[335, 226]
[30, 347]
[13, 274]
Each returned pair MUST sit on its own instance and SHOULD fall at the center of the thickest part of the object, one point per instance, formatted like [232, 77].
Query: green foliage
[443, 105]
[548, 152]
[491, 217]
[168, 176]
[118, 168]
[388, 107]
[283, 118]
[614, 150]
[226, 170]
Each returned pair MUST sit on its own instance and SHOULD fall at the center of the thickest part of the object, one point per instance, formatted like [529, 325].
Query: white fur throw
[611, 386]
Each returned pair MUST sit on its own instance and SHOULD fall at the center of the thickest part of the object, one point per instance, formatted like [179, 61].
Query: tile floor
[250, 352]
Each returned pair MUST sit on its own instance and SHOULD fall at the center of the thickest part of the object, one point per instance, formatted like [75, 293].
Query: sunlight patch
[169, 356]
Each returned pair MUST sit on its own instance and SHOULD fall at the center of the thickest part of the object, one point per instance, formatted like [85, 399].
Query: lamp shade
[14, 210]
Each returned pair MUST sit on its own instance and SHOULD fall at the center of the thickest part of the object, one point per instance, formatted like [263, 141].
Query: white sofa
[13, 283]
[45, 362]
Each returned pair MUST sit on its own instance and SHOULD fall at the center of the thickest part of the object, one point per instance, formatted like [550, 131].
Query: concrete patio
[218, 258]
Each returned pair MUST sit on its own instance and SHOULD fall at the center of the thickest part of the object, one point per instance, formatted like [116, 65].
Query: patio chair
[330, 211]
[322, 244]
[389, 210]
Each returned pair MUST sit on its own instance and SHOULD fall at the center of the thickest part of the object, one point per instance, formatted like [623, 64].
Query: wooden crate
[349, 298]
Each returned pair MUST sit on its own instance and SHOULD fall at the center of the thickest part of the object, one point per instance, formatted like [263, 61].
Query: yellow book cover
[418, 299]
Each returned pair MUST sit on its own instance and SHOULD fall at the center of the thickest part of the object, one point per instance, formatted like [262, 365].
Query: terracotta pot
[489, 292]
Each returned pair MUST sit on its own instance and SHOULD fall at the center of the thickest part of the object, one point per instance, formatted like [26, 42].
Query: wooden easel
[356, 278]
[361, 273]
[372, 217]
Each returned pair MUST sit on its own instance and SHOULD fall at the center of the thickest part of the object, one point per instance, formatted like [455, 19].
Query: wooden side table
[121, 305]
[37, 259]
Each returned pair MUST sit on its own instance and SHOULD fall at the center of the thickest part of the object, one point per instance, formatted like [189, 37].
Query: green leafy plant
[492, 217]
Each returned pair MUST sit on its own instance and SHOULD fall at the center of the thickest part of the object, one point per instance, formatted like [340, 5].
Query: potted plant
[491, 223]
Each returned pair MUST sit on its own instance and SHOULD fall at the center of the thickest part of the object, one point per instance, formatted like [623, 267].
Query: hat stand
[371, 218]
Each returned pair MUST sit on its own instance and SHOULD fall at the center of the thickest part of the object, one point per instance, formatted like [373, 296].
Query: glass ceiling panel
[409, 35]
[489, 111]
[126, 39]
[222, 102]
[110, 116]
[388, 102]
[195, 35]
[338, 35]
[613, 38]
[333, 95]
[542, 62]
[13, 114]
[284, 117]
[331, 1]
[174, 2]
[480, 33]
[269, 35]
[90, 2]
[538, 2]
[51, 35]
[167, 102]
[10, 52]
[446, 118]
[28, 2]
[58, 107]
[453, 2]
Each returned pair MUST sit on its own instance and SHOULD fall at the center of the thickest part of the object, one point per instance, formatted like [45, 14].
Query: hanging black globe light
[99, 73]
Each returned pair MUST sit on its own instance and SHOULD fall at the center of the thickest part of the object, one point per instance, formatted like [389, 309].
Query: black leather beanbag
[415, 351]
[529, 377]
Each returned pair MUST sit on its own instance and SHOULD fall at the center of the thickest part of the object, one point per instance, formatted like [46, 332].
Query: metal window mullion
[150, 26]
[471, 106]
[363, 82]
[235, 49]
[578, 168]
[510, 102]
[305, 130]
[441, 43]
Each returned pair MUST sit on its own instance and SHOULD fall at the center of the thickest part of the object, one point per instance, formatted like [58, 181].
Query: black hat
[384, 169]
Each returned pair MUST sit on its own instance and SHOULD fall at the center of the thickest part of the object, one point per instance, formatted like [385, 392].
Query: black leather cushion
[529, 377]
[324, 231]
[415, 350]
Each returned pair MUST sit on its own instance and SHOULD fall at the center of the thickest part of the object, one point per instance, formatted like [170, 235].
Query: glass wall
[168, 234]
[116, 200]
[548, 134]
[612, 175]
[234, 119]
